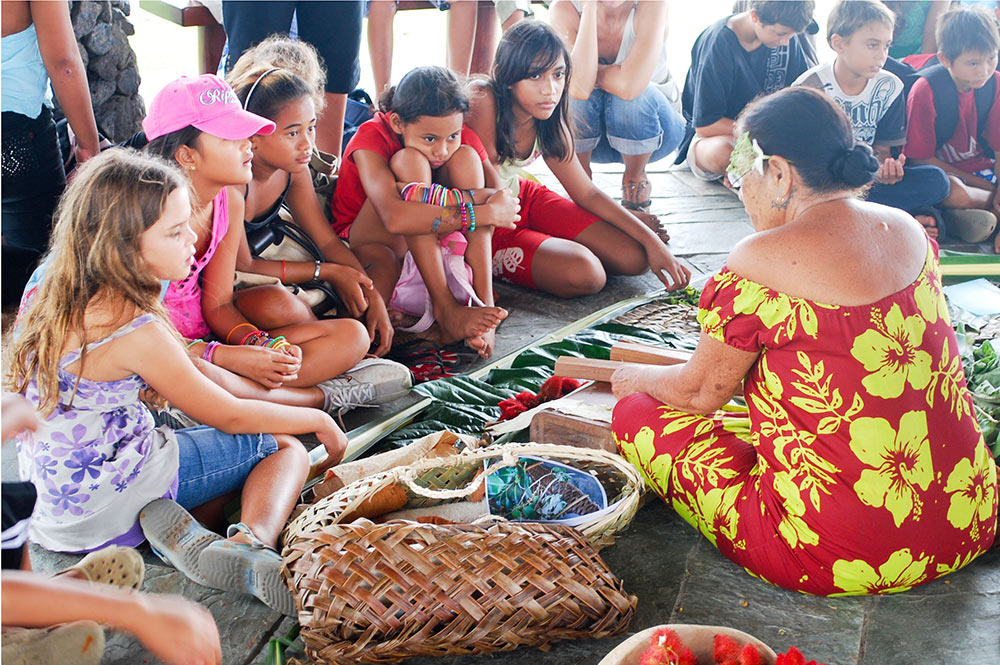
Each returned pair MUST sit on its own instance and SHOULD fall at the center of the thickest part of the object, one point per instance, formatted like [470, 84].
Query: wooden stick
[648, 354]
[586, 368]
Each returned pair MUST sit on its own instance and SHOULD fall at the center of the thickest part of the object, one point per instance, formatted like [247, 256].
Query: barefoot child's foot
[653, 222]
[459, 322]
[483, 344]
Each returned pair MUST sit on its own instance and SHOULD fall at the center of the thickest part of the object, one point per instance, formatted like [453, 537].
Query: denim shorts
[609, 127]
[212, 463]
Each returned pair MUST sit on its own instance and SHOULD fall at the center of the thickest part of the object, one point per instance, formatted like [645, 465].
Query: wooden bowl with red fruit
[687, 644]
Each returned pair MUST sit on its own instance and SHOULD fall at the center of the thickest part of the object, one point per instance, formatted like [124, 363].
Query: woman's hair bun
[855, 167]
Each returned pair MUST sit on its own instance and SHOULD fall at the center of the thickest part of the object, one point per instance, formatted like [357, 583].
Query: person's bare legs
[381, 15]
[616, 250]
[456, 320]
[461, 34]
[464, 171]
[485, 40]
[272, 306]
[329, 348]
[272, 490]
[245, 388]
[712, 153]
[330, 125]
[382, 266]
[966, 196]
[584, 158]
[635, 184]
[566, 269]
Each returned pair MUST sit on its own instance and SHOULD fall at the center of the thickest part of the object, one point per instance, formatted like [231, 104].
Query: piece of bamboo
[647, 354]
[588, 369]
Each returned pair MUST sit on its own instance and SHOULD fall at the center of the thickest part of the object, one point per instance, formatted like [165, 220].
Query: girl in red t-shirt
[410, 179]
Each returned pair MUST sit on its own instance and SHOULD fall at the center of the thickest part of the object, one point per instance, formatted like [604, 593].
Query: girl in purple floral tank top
[96, 339]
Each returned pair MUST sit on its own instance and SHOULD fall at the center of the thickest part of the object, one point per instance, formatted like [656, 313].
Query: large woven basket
[441, 480]
[378, 593]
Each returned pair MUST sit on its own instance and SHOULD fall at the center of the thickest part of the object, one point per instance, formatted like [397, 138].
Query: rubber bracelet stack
[209, 351]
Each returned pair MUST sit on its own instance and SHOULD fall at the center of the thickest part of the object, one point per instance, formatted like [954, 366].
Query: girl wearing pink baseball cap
[262, 333]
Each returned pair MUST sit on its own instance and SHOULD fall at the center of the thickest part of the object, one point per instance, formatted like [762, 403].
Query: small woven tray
[441, 480]
[663, 317]
[379, 593]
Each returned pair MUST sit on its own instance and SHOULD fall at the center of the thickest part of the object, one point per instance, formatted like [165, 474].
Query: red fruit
[793, 657]
[666, 648]
[725, 650]
[749, 655]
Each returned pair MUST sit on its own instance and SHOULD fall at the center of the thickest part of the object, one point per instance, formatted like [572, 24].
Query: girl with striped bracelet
[382, 206]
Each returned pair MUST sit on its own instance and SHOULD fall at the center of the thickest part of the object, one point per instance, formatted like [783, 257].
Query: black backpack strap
[945, 102]
[984, 104]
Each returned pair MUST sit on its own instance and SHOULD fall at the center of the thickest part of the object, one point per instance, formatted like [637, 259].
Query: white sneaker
[371, 382]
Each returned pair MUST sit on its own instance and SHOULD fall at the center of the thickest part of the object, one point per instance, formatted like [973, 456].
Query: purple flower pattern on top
[89, 457]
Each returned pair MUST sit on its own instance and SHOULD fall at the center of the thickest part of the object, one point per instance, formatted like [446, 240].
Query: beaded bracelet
[255, 338]
[209, 351]
[465, 218]
[234, 328]
[472, 217]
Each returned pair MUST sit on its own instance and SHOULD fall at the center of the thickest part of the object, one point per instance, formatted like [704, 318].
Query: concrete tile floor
[676, 574]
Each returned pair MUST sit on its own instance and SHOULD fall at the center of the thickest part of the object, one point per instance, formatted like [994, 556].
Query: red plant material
[666, 648]
[553, 388]
[793, 657]
[727, 651]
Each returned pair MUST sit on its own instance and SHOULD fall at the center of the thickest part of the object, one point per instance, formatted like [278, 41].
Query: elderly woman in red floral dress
[857, 465]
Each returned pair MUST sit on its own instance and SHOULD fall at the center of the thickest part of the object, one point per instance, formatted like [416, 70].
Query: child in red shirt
[968, 41]
[416, 138]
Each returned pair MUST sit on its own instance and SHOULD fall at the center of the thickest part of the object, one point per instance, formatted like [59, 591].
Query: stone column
[102, 29]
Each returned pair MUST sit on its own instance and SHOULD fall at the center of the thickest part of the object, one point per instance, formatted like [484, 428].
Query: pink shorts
[544, 214]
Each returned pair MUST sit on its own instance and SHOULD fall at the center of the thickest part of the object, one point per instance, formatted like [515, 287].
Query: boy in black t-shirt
[734, 60]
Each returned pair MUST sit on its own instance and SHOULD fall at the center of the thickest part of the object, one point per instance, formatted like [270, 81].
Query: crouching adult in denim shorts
[620, 98]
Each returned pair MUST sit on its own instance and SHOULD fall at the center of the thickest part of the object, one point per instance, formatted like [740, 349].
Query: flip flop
[176, 537]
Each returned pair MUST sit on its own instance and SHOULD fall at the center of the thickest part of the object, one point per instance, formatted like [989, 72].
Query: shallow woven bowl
[697, 638]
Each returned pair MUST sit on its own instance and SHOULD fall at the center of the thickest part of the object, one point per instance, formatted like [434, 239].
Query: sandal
[118, 566]
[633, 192]
[176, 537]
[254, 569]
[76, 643]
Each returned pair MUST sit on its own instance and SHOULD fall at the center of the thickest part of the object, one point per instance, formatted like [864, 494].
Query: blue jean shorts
[609, 127]
[213, 463]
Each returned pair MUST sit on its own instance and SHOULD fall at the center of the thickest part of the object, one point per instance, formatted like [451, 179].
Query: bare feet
[459, 322]
[929, 224]
[653, 222]
[483, 344]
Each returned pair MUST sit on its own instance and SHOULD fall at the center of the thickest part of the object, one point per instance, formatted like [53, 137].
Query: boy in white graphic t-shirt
[860, 32]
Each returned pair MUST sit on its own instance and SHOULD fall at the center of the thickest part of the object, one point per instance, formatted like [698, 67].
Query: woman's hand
[178, 631]
[334, 441]
[264, 365]
[664, 265]
[353, 286]
[503, 209]
[629, 379]
[378, 324]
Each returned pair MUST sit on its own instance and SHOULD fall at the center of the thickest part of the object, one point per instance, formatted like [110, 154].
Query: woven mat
[663, 317]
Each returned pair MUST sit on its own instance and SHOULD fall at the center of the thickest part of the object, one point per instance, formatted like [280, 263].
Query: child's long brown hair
[94, 253]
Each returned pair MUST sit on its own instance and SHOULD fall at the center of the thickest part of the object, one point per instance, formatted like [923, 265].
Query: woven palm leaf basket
[379, 593]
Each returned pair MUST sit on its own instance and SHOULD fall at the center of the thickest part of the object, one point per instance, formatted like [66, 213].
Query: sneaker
[970, 225]
[76, 643]
[254, 569]
[176, 537]
[118, 566]
[371, 382]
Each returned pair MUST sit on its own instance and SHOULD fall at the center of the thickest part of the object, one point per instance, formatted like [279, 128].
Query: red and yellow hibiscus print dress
[857, 466]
